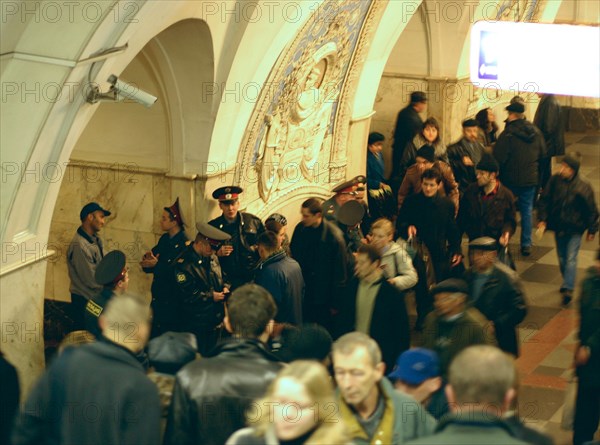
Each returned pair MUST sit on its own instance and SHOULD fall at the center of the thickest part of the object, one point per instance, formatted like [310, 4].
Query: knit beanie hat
[426, 152]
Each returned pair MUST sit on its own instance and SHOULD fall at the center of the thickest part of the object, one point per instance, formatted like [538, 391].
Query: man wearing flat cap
[495, 290]
[112, 274]
[157, 261]
[199, 287]
[238, 256]
[453, 325]
[83, 256]
[344, 192]
[568, 207]
[487, 208]
[518, 150]
[408, 125]
[465, 154]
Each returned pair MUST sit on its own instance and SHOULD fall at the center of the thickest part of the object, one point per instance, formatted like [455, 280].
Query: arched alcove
[134, 160]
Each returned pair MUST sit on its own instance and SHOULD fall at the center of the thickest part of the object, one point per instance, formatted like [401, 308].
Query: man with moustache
[465, 154]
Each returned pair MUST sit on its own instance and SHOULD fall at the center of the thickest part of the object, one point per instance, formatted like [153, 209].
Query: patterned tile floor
[548, 334]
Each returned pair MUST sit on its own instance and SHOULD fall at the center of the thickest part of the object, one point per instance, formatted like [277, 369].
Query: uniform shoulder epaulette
[187, 243]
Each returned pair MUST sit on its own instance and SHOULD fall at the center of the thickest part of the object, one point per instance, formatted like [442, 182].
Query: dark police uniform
[109, 272]
[238, 267]
[165, 310]
[196, 278]
[331, 206]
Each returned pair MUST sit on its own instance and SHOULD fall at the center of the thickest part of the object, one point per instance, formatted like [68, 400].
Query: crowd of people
[253, 336]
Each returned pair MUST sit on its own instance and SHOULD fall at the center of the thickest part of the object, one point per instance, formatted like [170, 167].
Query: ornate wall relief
[295, 137]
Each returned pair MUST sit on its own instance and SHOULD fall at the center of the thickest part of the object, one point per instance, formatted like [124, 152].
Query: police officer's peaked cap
[450, 285]
[111, 269]
[228, 193]
[214, 236]
[349, 186]
[351, 213]
[175, 212]
[483, 243]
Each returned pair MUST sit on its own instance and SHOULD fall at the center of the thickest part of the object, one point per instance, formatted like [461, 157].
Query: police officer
[157, 261]
[199, 287]
[112, 275]
[349, 221]
[239, 256]
[344, 192]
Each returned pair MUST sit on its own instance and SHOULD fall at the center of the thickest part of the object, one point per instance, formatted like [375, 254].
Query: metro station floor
[548, 334]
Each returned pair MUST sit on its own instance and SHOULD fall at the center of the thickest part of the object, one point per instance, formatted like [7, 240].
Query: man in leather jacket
[212, 395]
[199, 288]
[239, 256]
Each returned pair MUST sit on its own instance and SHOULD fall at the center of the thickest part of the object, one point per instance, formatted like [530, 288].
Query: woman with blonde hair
[299, 408]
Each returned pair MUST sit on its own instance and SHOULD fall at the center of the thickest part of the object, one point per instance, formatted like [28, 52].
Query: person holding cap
[487, 207]
[157, 262]
[344, 192]
[465, 154]
[238, 256]
[568, 207]
[83, 256]
[495, 290]
[199, 287]
[417, 373]
[519, 149]
[113, 274]
[425, 159]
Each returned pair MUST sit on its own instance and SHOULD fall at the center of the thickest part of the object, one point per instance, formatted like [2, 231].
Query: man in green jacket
[370, 408]
[476, 405]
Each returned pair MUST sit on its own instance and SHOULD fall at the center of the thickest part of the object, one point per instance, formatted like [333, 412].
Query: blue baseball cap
[415, 366]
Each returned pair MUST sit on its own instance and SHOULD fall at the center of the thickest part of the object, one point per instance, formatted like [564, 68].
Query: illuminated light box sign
[536, 57]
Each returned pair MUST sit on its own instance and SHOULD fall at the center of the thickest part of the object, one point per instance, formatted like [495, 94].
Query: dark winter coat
[321, 253]
[211, 395]
[549, 118]
[568, 206]
[389, 322]
[408, 125]
[518, 151]
[498, 217]
[106, 395]
[9, 398]
[502, 302]
[282, 277]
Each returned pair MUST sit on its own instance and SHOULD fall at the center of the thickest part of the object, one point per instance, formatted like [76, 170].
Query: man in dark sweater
[408, 124]
[431, 217]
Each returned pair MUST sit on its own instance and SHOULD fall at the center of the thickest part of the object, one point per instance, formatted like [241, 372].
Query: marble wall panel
[21, 318]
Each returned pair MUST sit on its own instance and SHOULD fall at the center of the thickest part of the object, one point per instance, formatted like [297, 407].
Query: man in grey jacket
[83, 256]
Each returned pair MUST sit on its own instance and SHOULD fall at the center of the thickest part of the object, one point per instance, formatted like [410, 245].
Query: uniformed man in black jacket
[239, 256]
[344, 192]
[199, 287]
[112, 274]
[157, 261]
